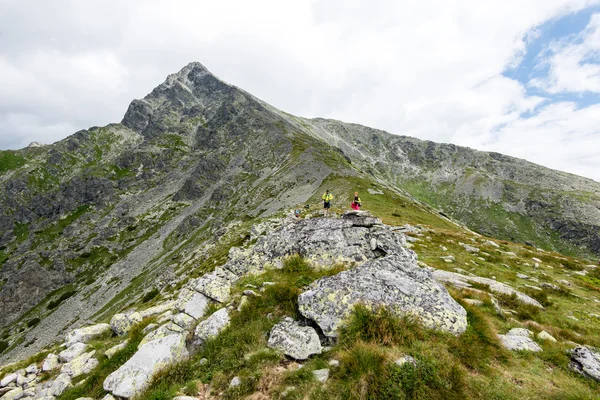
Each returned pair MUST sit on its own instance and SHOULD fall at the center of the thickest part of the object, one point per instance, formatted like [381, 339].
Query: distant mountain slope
[89, 223]
[492, 193]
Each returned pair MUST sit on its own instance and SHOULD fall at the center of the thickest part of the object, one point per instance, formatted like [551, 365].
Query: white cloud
[430, 68]
[571, 62]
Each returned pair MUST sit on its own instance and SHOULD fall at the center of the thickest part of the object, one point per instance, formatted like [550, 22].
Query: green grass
[3, 345]
[10, 160]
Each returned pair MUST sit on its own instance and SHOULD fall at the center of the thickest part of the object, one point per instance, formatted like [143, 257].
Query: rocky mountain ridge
[92, 223]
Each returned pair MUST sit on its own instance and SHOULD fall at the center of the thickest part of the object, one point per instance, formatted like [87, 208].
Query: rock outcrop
[395, 282]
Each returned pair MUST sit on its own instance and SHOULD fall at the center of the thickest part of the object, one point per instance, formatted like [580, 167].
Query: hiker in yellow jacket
[327, 197]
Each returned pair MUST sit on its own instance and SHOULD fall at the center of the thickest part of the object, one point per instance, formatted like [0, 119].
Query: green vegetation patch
[10, 160]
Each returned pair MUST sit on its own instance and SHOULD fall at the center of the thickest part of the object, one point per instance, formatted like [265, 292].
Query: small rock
[32, 369]
[475, 302]
[211, 326]
[149, 328]
[469, 249]
[108, 397]
[321, 375]
[586, 362]
[522, 276]
[203, 361]
[60, 385]
[493, 244]
[519, 339]
[14, 394]
[113, 350]
[543, 335]
[235, 382]
[298, 342]
[249, 292]
[80, 365]
[72, 352]
[520, 332]
[8, 379]
[334, 363]
[537, 260]
[50, 363]
[121, 324]
[183, 320]
[84, 335]
[406, 359]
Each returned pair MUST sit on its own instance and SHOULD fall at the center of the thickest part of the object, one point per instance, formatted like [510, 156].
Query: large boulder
[60, 384]
[121, 324]
[586, 362]
[355, 237]
[462, 281]
[299, 342]
[84, 335]
[134, 376]
[394, 282]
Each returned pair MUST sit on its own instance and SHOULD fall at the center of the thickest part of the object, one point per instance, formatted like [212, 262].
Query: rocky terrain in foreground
[363, 263]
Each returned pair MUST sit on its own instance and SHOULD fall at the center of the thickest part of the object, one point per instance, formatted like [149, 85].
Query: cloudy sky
[512, 76]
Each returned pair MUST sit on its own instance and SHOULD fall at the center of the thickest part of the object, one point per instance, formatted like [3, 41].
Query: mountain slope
[491, 193]
[92, 222]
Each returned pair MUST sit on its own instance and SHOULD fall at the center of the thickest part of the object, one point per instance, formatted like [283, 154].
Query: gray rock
[298, 342]
[462, 281]
[235, 382]
[474, 302]
[216, 285]
[83, 335]
[192, 303]
[158, 309]
[72, 352]
[406, 359]
[183, 320]
[60, 385]
[22, 380]
[8, 379]
[469, 249]
[113, 350]
[211, 326]
[321, 375]
[149, 328]
[520, 332]
[14, 394]
[519, 339]
[108, 397]
[355, 237]
[543, 335]
[121, 324]
[394, 282]
[31, 369]
[135, 375]
[80, 365]
[586, 362]
[50, 363]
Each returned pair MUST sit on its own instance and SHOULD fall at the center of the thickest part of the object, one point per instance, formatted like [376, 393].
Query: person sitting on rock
[327, 197]
[356, 203]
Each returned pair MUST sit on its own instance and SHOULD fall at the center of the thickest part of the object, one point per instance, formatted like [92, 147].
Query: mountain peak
[194, 86]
